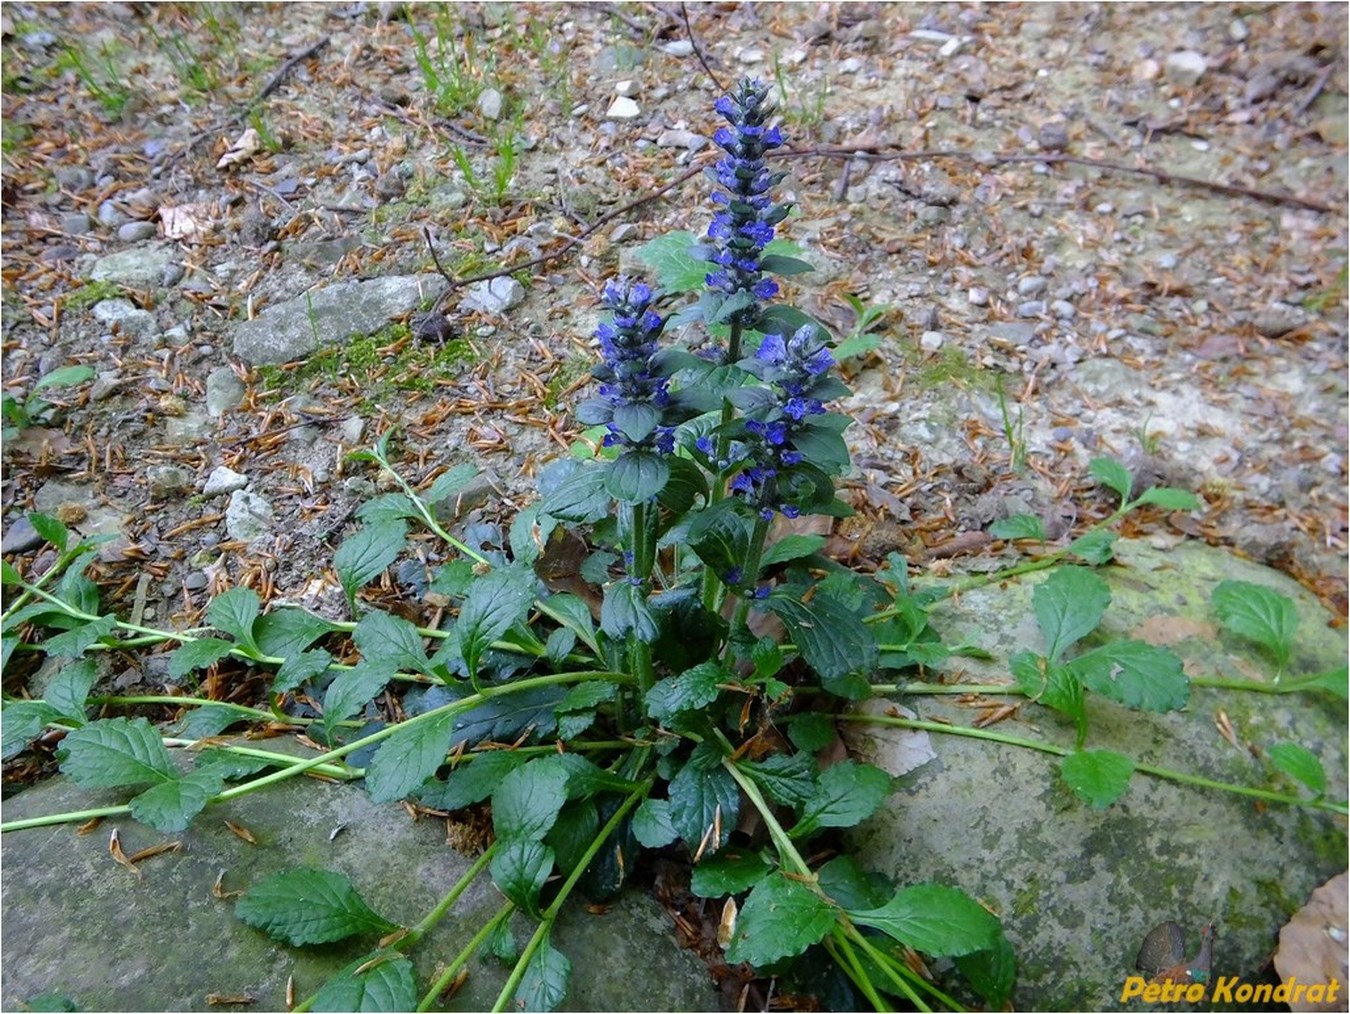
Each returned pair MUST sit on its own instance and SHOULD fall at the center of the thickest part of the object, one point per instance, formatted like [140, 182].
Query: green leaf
[728, 873]
[1097, 777]
[528, 799]
[790, 780]
[385, 985]
[234, 612]
[57, 1002]
[571, 834]
[207, 720]
[811, 731]
[69, 688]
[298, 668]
[197, 654]
[502, 943]
[651, 824]
[1136, 674]
[686, 485]
[792, 547]
[287, 631]
[780, 919]
[1299, 763]
[351, 689]
[51, 529]
[1068, 605]
[1111, 473]
[669, 258]
[701, 800]
[8, 575]
[855, 346]
[170, 806]
[940, 921]
[450, 481]
[65, 376]
[991, 972]
[693, 689]
[585, 696]
[625, 610]
[363, 557]
[1019, 526]
[832, 639]
[544, 984]
[231, 766]
[636, 476]
[580, 497]
[391, 641]
[21, 722]
[780, 265]
[387, 507]
[1335, 681]
[74, 642]
[308, 906]
[1259, 614]
[846, 794]
[496, 602]
[1095, 548]
[720, 537]
[848, 885]
[409, 757]
[1053, 685]
[520, 868]
[1170, 499]
[113, 752]
[471, 781]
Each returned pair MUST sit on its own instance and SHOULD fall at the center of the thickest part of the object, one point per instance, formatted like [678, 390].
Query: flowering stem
[642, 546]
[751, 571]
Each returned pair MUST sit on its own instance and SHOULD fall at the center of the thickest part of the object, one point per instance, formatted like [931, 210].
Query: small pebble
[680, 47]
[109, 216]
[490, 103]
[623, 108]
[978, 296]
[627, 88]
[1032, 285]
[1031, 308]
[931, 341]
[20, 537]
[624, 232]
[196, 581]
[681, 139]
[1063, 309]
[76, 224]
[1185, 68]
[223, 480]
[751, 55]
[134, 232]
[1053, 136]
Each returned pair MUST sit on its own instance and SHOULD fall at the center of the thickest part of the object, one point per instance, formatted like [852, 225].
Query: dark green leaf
[504, 719]
[1097, 777]
[636, 476]
[1068, 605]
[496, 602]
[386, 985]
[790, 780]
[408, 758]
[686, 485]
[229, 765]
[234, 612]
[70, 687]
[720, 537]
[670, 258]
[51, 529]
[779, 265]
[701, 799]
[811, 731]
[362, 557]
[450, 481]
[527, 801]
[472, 781]
[197, 654]
[940, 921]
[1136, 674]
[571, 834]
[780, 919]
[298, 668]
[22, 722]
[1258, 613]
[792, 547]
[73, 643]
[848, 885]
[693, 689]
[544, 984]
[1299, 763]
[502, 943]
[779, 318]
[1170, 499]
[1095, 548]
[170, 806]
[847, 793]
[386, 507]
[581, 497]
[572, 611]
[1055, 686]
[1019, 526]
[206, 721]
[530, 530]
[351, 689]
[584, 696]
[8, 575]
[520, 869]
[114, 752]
[452, 579]
[728, 873]
[391, 641]
[287, 631]
[651, 824]
[991, 972]
[822, 445]
[56, 1002]
[625, 611]
[308, 906]
[730, 306]
[1112, 474]
[833, 641]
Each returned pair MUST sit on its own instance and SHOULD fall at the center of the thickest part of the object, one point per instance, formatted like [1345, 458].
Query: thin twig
[545, 258]
[698, 50]
[884, 153]
[286, 69]
[1305, 103]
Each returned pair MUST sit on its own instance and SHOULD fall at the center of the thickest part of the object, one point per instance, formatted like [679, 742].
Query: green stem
[750, 571]
[462, 958]
[1167, 774]
[550, 914]
[641, 543]
[446, 903]
[837, 945]
[787, 852]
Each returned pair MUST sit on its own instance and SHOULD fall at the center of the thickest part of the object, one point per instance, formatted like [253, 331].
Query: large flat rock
[1078, 889]
[78, 924]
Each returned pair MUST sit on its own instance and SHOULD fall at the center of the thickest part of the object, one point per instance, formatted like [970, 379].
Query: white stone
[223, 480]
[680, 47]
[1186, 67]
[496, 295]
[932, 340]
[623, 108]
[627, 88]
[249, 516]
[490, 103]
[978, 296]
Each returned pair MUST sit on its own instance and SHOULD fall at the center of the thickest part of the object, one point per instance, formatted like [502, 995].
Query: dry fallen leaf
[896, 751]
[243, 149]
[1313, 943]
[187, 221]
